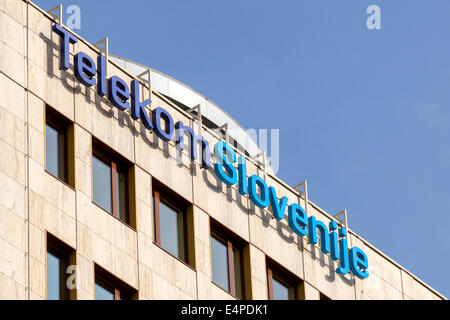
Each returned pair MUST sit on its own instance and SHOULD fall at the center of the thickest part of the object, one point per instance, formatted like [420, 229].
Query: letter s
[223, 152]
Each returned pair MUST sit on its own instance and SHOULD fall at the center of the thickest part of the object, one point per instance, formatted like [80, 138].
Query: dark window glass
[122, 196]
[108, 287]
[169, 219]
[219, 260]
[280, 286]
[53, 277]
[280, 291]
[102, 184]
[55, 150]
[103, 291]
[110, 184]
[237, 273]
[226, 262]
[57, 263]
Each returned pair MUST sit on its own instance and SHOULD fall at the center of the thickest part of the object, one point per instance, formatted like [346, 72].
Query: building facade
[97, 201]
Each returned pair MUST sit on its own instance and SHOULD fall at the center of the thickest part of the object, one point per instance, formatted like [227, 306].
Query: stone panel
[12, 130]
[57, 90]
[13, 97]
[13, 33]
[13, 263]
[12, 163]
[320, 272]
[12, 195]
[13, 64]
[384, 280]
[37, 277]
[310, 292]
[222, 203]
[13, 229]
[14, 9]
[413, 289]
[11, 290]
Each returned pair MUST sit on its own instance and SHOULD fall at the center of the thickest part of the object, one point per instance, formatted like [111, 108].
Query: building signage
[332, 239]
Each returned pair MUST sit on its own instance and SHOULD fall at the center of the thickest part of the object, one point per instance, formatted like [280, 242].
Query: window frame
[62, 159]
[232, 242]
[109, 158]
[121, 290]
[67, 257]
[230, 259]
[323, 297]
[285, 278]
[181, 209]
[64, 127]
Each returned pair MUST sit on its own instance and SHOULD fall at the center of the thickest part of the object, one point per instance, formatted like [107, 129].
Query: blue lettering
[138, 108]
[358, 263]
[84, 69]
[101, 75]
[278, 208]
[242, 172]
[165, 135]
[223, 153]
[324, 241]
[180, 129]
[343, 253]
[334, 240]
[262, 200]
[67, 38]
[119, 93]
[298, 219]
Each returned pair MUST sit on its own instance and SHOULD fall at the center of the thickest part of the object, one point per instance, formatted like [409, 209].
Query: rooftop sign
[332, 239]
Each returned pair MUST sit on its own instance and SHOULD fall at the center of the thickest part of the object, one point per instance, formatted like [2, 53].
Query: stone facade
[34, 203]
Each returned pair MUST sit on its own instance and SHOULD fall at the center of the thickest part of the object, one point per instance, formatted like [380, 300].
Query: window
[281, 284]
[59, 146]
[111, 186]
[172, 218]
[59, 258]
[227, 264]
[108, 287]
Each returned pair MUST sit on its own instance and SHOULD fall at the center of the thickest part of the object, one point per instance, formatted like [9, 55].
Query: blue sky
[363, 114]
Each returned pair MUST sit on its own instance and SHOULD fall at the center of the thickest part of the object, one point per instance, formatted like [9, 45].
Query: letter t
[66, 39]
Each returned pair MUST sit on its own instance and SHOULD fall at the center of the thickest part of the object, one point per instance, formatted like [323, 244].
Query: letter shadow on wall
[317, 254]
[212, 181]
[104, 107]
[52, 69]
[231, 194]
[282, 227]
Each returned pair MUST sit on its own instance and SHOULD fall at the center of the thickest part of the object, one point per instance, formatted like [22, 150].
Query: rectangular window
[171, 221]
[227, 256]
[111, 186]
[59, 258]
[281, 284]
[108, 287]
[59, 146]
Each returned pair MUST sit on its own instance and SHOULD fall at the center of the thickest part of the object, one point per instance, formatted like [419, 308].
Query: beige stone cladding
[33, 203]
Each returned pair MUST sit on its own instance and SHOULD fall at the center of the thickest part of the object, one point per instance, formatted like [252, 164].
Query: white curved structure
[189, 98]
